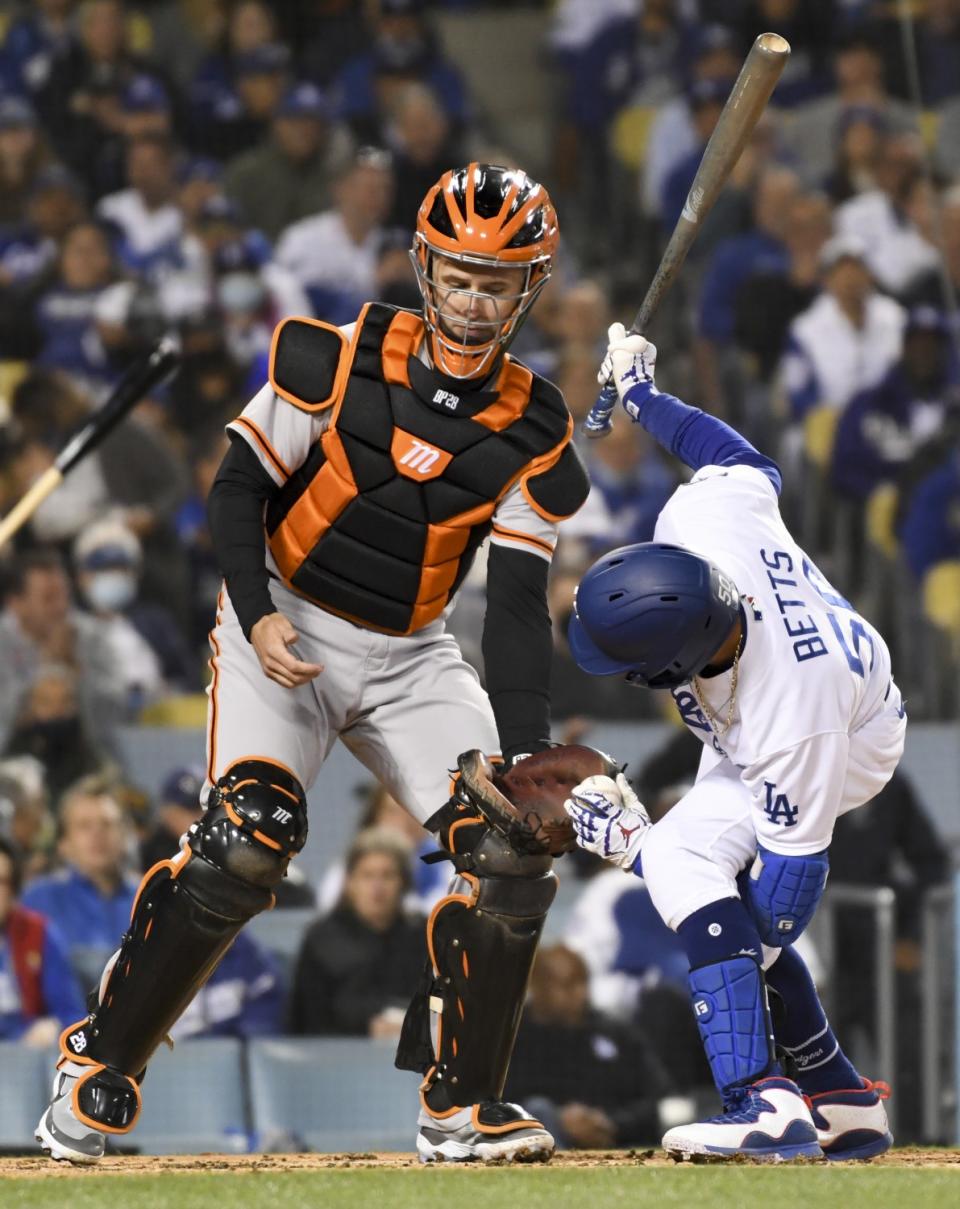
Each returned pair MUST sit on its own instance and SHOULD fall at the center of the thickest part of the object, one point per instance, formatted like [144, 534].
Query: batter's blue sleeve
[782, 893]
[696, 438]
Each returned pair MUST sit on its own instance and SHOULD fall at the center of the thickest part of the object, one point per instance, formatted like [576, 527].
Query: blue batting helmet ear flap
[654, 611]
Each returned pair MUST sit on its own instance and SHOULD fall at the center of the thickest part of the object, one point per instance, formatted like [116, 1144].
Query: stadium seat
[880, 514]
[280, 932]
[27, 1075]
[819, 432]
[194, 1100]
[941, 596]
[334, 1094]
[188, 712]
[631, 133]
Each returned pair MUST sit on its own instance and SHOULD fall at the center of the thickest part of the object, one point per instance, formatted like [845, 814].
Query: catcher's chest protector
[482, 939]
[381, 522]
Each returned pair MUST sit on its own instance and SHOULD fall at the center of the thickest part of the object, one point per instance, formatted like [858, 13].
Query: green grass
[476, 1188]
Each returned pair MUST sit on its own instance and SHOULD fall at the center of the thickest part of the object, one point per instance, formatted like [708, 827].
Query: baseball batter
[790, 691]
[360, 482]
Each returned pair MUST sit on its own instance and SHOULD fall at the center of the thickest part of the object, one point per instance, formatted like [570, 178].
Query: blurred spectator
[929, 288]
[146, 215]
[28, 248]
[193, 534]
[62, 691]
[384, 813]
[771, 298]
[177, 808]
[242, 998]
[89, 900]
[35, 42]
[234, 118]
[707, 99]
[23, 156]
[936, 43]
[200, 178]
[894, 219]
[289, 175]
[595, 1083]
[861, 133]
[633, 480]
[883, 427]
[930, 528]
[396, 278]
[81, 102]
[404, 47]
[858, 72]
[65, 314]
[330, 33]
[672, 135]
[25, 817]
[240, 29]
[359, 965]
[806, 25]
[423, 148]
[39, 995]
[334, 255]
[147, 645]
[847, 339]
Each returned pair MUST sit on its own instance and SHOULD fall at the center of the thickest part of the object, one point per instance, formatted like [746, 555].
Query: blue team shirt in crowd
[61, 991]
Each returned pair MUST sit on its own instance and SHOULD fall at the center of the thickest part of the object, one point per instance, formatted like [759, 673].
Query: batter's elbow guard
[481, 938]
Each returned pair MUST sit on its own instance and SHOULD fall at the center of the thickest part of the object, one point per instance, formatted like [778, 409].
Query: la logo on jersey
[778, 809]
[417, 459]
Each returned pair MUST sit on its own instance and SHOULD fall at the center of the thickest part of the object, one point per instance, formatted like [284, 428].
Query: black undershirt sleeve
[518, 648]
[235, 511]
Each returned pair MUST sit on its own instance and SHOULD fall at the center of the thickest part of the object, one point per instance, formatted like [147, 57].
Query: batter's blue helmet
[656, 612]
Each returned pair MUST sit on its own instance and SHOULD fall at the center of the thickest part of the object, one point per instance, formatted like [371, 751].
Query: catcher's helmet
[482, 216]
[655, 612]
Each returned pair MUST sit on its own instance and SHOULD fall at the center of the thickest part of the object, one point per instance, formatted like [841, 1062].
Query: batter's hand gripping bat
[751, 91]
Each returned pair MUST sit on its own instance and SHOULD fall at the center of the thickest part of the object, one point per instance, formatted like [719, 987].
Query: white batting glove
[609, 819]
[630, 360]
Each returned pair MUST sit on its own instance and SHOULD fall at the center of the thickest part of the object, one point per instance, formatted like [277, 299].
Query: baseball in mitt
[525, 804]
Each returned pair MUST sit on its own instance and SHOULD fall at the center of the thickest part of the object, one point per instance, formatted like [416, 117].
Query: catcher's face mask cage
[490, 218]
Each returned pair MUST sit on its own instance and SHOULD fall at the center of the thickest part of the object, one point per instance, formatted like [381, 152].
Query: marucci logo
[415, 458]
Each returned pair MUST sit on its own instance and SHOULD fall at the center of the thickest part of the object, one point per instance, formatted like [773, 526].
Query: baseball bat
[748, 97]
[135, 383]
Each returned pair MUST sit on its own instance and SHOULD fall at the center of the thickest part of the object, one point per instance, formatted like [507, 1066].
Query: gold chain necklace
[720, 728]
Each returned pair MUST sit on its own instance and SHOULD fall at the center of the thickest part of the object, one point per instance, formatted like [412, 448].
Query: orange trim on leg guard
[98, 1125]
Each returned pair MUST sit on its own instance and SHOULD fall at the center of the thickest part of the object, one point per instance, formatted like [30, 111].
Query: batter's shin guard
[482, 939]
[730, 1005]
[186, 915]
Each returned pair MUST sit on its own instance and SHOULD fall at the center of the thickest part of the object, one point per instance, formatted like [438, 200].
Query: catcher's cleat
[766, 1120]
[489, 1132]
[852, 1123]
[65, 1132]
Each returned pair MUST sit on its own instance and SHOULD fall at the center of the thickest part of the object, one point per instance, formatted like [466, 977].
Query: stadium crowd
[212, 167]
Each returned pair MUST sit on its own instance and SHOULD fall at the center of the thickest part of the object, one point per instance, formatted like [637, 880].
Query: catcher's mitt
[525, 804]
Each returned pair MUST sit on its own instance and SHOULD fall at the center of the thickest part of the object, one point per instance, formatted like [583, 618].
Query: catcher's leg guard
[461, 1026]
[187, 912]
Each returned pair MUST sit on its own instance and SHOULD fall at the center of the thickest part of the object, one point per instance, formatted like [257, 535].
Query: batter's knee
[680, 878]
[255, 822]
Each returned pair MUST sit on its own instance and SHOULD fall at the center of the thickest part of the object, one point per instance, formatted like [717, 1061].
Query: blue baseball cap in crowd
[55, 176]
[144, 94]
[266, 60]
[183, 787]
[199, 168]
[220, 208]
[304, 100]
[16, 113]
[708, 92]
[925, 318]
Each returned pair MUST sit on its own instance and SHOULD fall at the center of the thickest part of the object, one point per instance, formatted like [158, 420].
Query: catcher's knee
[255, 822]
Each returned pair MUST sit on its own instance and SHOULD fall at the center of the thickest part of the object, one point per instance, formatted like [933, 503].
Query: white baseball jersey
[812, 672]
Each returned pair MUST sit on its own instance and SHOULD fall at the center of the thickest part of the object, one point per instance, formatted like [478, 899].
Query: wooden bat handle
[21, 512]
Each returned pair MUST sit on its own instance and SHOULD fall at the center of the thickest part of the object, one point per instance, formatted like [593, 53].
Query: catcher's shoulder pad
[304, 362]
[562, 489]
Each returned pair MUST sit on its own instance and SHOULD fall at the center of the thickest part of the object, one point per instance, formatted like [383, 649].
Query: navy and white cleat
[767, 1120]
[852, 1123]
[494, 1131]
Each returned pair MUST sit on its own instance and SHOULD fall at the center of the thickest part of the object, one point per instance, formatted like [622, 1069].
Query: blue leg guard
[729, 993]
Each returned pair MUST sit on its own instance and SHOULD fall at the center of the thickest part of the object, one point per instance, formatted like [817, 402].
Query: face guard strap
[456, 358]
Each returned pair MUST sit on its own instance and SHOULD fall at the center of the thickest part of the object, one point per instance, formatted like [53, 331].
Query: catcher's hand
[609, 819]
[526, 803]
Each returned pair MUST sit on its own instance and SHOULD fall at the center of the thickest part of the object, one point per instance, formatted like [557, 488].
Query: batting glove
[609, 819]
[629, 362]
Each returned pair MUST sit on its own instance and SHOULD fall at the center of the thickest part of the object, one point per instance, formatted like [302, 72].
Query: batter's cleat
[765, 1120]
[493, 1131]
[852, 1123]
[88, 1102]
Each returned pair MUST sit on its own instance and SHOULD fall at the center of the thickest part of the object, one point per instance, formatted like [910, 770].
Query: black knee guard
[188, 911]
[482, 938]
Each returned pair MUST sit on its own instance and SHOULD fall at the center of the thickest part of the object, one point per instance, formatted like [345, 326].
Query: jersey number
[855, 624]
